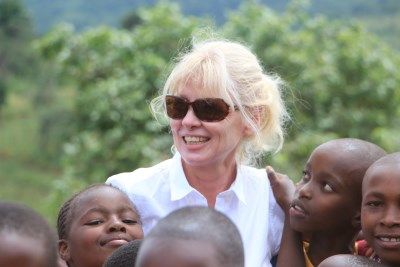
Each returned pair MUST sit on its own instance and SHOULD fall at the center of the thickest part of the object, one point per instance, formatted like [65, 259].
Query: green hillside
[379, 16]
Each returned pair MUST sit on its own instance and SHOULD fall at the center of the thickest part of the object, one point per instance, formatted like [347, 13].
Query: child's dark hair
[124, 256]
[67, 209]
[205, 224]
[349, 260]
[26, 222]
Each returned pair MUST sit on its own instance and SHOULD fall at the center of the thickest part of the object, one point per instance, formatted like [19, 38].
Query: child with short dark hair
[327, 201]
[347, 260]
[125, 255]
[191, 237]
[380, 212]
[26, 237]
[95, 222]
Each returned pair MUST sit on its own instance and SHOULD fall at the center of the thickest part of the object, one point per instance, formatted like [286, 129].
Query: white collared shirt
[249, 203]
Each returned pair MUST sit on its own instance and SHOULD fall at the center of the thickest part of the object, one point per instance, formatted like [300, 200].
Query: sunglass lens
[176, 107]
[211, 109]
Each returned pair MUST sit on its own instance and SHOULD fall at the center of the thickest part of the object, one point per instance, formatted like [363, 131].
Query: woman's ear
[257, 115]
[248, 131]
[63, 250]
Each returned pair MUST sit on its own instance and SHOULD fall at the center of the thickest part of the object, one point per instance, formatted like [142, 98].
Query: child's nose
[304, 191]
[391, 217]
[117, 225]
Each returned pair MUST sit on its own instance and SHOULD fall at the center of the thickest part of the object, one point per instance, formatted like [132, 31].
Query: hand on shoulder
[282, 187]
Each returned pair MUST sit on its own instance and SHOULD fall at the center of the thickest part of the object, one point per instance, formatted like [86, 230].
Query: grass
[24, 177]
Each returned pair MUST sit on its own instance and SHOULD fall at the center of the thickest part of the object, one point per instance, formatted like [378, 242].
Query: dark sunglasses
[205, 109]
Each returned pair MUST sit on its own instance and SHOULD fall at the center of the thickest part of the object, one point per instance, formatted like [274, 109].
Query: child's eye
[327, 187]
[94, 222]
[374, 204]
[306, 176]
[129, 221]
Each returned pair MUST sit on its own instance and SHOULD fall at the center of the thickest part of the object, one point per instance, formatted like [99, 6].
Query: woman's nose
[191, 119]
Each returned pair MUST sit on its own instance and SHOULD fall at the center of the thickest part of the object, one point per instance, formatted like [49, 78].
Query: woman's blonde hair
[231, 71]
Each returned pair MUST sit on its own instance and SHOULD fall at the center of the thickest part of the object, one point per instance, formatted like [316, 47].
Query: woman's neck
[210, 181]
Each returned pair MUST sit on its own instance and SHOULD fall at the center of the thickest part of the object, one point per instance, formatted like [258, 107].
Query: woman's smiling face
[203, 144]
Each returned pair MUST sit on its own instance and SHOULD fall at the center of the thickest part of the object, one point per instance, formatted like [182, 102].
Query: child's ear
[356, 220]
[63, 250]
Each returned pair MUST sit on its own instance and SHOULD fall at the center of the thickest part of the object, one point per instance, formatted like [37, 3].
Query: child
[380, 212]
[125, 255]
[95, 222]
[26, 238]
[347, 260]
[327, 200]
[191, 237]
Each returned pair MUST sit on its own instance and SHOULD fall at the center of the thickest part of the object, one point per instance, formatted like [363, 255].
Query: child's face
[324, 198]
[22, 251]
[380, 212]
[178, 253]
[103, 220]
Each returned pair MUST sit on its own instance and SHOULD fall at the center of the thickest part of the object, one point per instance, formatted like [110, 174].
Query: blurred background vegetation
[76, 78]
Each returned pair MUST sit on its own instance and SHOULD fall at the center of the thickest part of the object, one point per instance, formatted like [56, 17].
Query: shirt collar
[181, 188]
[178, 182]
[238, 185]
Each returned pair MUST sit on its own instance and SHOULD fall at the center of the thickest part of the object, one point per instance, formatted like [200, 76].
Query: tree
[342, 81]
[15, 34]
[117, 72]
[131, 20]
[16, 57]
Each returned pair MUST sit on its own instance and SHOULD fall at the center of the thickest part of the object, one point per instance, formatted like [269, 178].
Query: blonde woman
[224, 112]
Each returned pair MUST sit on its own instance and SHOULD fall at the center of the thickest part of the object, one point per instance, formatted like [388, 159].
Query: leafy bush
[341, 82]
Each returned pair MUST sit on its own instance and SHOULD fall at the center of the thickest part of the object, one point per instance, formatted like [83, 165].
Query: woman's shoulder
[253, 174]
[140, 175]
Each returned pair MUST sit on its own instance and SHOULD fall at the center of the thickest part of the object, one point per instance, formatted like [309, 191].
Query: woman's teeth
[195, 139]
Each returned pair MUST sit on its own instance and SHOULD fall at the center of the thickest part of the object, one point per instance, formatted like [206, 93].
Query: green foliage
[24, 177]
[14, 21]
[116, 71]
[15, 35]
[131, 20]
[342, 81]
[90, 101]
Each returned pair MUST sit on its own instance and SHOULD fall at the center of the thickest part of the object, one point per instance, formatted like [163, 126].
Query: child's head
[95, 222]
[380, 212]
[328, 197]
[124, 256]
[346, 260]
[26, 238]
[192, 237]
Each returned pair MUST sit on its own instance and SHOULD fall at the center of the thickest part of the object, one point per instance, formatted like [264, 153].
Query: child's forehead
[101, 193]
[106, 197]
[333, 158]
[340, 150]
[382, 172]
[19, 248]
